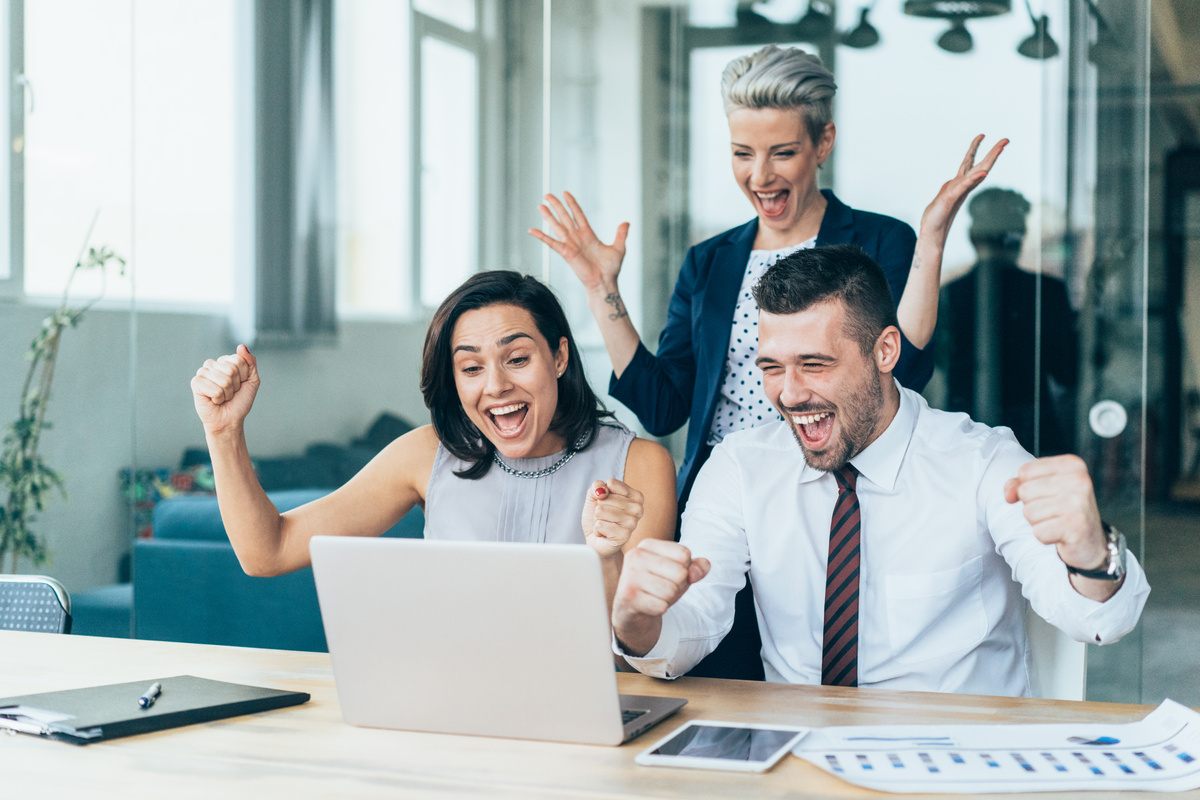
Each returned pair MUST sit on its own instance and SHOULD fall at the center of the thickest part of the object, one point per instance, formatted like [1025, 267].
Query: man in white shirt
[936, 524]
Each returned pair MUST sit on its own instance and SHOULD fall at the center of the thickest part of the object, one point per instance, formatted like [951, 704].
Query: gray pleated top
[505, 508]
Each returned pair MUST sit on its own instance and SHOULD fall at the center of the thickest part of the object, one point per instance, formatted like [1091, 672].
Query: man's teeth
[496, 412]
[768, 195]
[809, 419]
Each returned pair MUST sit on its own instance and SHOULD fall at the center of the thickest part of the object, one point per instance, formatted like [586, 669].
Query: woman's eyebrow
[796, 143]
[501, 342]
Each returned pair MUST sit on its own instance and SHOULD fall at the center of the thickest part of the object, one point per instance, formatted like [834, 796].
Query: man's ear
[887, 349]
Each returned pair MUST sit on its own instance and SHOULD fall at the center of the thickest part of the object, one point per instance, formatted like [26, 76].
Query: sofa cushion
[189, 586]
[103, 611]
[197, 592]
[197, 517]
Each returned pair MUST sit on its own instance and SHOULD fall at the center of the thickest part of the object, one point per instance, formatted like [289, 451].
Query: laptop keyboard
[628, 715]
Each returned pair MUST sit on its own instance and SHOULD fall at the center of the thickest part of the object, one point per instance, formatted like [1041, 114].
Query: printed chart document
[1160, 753]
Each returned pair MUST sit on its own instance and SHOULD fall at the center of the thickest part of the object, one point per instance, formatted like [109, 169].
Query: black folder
[99, 713]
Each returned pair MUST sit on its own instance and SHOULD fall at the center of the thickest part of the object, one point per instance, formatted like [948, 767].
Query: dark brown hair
[578, 412]
[831, 272]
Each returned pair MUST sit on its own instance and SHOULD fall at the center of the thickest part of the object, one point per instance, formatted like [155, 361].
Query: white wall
[328, 394]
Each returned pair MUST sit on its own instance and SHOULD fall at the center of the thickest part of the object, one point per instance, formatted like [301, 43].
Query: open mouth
[773, 203]
[509, 420]
[815, 428]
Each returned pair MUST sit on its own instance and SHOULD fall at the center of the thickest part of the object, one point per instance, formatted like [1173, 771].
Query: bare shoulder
[418, 445]
[649, 460]
[407, 460]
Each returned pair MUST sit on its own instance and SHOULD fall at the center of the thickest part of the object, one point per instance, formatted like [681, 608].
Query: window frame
[475, 41]
[12, 163]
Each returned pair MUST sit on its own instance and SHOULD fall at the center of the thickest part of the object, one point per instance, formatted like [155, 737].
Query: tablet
[707, 744]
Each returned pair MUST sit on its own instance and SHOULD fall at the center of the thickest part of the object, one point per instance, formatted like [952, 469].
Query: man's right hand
[655, 575]
[224, 389]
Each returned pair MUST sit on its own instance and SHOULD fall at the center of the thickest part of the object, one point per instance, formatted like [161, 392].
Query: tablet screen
[726, 743]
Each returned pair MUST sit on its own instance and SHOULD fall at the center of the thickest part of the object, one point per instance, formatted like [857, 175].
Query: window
[449, 167]
[130, 127]
[409, 152]
[374, 144]
[459, 13]
[144, 122]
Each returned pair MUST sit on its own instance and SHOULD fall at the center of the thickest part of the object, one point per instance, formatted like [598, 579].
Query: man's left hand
[1060, 505]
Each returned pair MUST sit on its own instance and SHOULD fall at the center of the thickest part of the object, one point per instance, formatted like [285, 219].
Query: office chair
[1059, 663]
[34, 603]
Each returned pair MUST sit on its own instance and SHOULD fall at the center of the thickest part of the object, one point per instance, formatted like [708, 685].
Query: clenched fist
[223, 390]
[1060, 505]
[656, 574]
[611, 514]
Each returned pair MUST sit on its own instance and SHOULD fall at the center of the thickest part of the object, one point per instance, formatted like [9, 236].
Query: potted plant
[25, 479]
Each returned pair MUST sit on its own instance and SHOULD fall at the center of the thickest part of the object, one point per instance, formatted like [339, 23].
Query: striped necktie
[839, 658]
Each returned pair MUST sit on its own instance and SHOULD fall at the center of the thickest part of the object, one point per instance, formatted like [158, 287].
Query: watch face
[1117, 549]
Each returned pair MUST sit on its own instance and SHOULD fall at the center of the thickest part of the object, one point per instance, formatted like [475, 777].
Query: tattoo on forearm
[618, 311]
[916, 262]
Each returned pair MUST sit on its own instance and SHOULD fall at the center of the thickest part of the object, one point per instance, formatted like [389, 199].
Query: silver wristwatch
[1113, 568]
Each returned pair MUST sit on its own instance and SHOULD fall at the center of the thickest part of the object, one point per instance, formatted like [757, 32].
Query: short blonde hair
[781, 77]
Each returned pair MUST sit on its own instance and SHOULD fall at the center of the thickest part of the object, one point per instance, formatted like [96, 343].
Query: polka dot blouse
[742, 403]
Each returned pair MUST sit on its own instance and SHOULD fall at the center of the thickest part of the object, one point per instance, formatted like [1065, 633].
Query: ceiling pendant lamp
[957, 39]
[862, 35]
[1039, 44]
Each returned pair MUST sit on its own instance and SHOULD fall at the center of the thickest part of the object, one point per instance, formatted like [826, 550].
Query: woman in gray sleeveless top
[519, 449]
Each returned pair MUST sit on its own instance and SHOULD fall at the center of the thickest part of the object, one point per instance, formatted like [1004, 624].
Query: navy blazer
[682, 381]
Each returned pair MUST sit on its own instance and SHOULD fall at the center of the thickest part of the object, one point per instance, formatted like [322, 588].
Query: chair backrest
[1058, 662]
[34, 603]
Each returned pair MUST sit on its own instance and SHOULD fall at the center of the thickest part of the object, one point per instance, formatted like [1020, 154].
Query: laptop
[490, 639]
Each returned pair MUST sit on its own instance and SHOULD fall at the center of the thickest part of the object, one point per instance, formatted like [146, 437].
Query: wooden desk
[307, 751]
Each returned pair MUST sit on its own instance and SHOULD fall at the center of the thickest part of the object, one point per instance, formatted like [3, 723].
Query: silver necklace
[541, 473]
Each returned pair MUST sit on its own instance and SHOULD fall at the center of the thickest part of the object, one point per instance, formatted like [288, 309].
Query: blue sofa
[189, 587]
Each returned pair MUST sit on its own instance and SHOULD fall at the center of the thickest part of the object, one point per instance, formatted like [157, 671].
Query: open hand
[223, 390]
[939, 214]
[595, 263]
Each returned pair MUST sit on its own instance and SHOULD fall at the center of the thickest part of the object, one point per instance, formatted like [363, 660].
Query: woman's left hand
[939, 215]
[610, 515]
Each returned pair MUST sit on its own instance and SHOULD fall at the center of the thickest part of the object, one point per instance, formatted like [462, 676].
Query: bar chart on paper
[1159, 753]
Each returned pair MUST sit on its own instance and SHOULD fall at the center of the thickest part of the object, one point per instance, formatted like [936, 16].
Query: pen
[147, 700]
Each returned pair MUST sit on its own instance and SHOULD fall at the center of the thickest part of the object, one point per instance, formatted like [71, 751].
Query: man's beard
[857, 418]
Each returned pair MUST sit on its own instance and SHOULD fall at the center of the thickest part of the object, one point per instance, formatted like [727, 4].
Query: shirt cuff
[657, 660]
[1106, 622]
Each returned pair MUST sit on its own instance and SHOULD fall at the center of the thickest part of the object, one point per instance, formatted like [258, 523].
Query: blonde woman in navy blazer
[779, 105]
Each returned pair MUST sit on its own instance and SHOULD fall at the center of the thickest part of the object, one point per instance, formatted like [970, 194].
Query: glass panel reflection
[449, 168]
[1042, 313]
[459, 13]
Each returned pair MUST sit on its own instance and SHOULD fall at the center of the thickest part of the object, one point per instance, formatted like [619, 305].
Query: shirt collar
[880, 461]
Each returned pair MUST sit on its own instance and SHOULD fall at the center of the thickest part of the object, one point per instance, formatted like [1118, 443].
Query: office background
[311, 177]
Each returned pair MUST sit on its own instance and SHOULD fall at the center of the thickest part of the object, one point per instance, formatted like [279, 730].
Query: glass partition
[71, 123]
[453, 122]
[1043, 315]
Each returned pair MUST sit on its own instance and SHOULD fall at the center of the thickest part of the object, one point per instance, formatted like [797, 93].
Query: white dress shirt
[944, 560]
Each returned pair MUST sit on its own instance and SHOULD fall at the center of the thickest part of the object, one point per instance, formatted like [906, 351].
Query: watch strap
[1113, 568]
